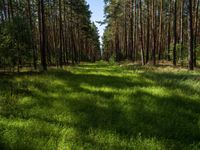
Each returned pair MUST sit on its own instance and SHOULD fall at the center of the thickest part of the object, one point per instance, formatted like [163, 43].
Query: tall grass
[101, 106]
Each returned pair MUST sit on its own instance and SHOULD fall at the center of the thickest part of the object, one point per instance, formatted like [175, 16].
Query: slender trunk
[131, 48]
[125, 32]
[154, 36]
[117, 49]
[61, 32]
[4, 10]
[43, 39]
[190, 36]
[32, 37]
[181, 32]
[135, 32]
[148, 32]
[141, 34]
[196, 32]
[10, 9]
[169, 32]
[160, 30]
[175, 32]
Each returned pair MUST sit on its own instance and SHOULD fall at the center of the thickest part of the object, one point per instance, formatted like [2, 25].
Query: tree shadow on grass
[180, 127]
[171, 118]
[98, 80]
[176, 123]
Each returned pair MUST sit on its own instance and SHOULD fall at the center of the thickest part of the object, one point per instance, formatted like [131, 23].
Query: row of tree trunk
[61, 31]
[155, 30]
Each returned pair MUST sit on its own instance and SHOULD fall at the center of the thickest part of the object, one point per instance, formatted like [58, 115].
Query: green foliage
[101, 63]
[198, 52]
[178, 51]
[100, 106]
[15, 41]
[95, 36]
[112, 60]
[20, 41]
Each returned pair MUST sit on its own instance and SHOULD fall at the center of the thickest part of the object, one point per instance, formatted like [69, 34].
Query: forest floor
[101, 106]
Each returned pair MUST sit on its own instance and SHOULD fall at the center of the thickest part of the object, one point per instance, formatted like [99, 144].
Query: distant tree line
[46, 32]
[152, 31]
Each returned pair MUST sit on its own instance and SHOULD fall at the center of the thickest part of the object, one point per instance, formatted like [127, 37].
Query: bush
[112, 60]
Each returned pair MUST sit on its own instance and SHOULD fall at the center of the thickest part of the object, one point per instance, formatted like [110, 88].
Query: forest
[153, 31]
[49, 33]
[65, 84]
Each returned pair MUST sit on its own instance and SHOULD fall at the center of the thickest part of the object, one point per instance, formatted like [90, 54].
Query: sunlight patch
[67, 138]
[25, 101]
[96, 89]
[157, 91]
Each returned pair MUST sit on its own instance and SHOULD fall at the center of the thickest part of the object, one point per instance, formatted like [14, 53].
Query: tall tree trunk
[141, 34]
[131, 48]
[117, 47]
[160, 30]
[4, 10]
[175, 32]
[154, 34]
[10, 9]
[196, 32]
[181, 32]
[43, 39]
[190, 35]
[125, 32]
[32, 34]
[148, 32]
[169, 32]
[61, 32]
[135, 31]
[65, 47]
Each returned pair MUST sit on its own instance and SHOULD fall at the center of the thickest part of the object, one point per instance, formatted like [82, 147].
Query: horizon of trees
[152, 31]
[46, 32]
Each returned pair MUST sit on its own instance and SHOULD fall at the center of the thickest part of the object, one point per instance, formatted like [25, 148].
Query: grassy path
[100, 106]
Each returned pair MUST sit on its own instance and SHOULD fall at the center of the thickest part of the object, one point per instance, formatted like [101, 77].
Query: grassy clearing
[101, 106]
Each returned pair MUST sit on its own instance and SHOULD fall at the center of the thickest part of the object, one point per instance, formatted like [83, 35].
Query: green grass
[101, 106]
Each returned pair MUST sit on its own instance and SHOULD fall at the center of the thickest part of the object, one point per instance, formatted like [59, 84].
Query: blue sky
[97, 8]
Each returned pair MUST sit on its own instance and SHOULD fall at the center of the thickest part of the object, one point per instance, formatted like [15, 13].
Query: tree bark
[181, 32]
[190, 36]
[61, 32]
[196, 32]
[43, 39]
[141, 35]
[175, 32]
[154, 34]
[148, 32]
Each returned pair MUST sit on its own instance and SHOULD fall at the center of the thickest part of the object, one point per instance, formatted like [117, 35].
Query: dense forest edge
[153, 31]
[46, 33]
